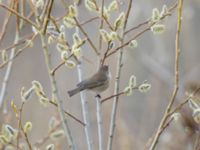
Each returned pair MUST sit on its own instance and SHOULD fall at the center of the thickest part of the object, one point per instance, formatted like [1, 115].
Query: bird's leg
[98, 96]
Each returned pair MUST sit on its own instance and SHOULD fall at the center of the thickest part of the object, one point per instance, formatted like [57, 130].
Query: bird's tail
[73, 92]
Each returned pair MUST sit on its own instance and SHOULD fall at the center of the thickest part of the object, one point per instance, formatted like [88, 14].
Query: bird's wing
[92, 82]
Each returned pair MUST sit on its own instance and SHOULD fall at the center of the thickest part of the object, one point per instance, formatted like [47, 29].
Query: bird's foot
[98, 96]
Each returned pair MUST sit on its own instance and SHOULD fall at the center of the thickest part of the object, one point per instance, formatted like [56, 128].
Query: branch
[99, 112]
[85, 111]
[117, 84]
[22, 129]
[19, 15]
[5, 22]
[106, 53]
[112, 96]
[99, 122]
[136, 27]
[84, 100]
[176, 80]
[53, 71]
[69, 114]
[21, 41]
[88, 21]
[139, 33]
[47, 17]
[86, 35]
[18, 52]
[55, 93]
[10, 64]
[57, 67]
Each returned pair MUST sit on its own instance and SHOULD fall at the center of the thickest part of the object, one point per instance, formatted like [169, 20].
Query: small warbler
[99, 82]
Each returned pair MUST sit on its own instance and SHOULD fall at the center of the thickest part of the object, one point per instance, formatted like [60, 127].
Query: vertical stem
[98, 100]
[85, 111]
[52, 77]
[117, 83]
[84, 103]
[56, 95]
[100, 123]
[115, 102]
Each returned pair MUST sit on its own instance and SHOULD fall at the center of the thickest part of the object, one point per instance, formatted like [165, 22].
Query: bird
[98, 82]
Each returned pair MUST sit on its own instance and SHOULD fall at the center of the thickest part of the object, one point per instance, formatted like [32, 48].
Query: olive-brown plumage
[99, 82]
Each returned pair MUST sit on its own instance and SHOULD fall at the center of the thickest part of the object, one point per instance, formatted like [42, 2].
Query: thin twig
[168, 123]
[19, 122]
[164, 127]
[106, 53]
[136, 27]
[19, 15]
[53, 20]
[47, 10]
[34, 10]
[105, 19]
[22, 129]
[23, 10]
[112, 96]
[47, 17]
[86, 35]
[21, 41]
[69, 114]
[17, 53]
[89, 20]
[116, 95]
[59, 65]
[108, 23]
[5, 22]
[176, 79]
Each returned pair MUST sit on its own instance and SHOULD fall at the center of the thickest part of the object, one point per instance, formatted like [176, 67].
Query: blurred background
[138, 115]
